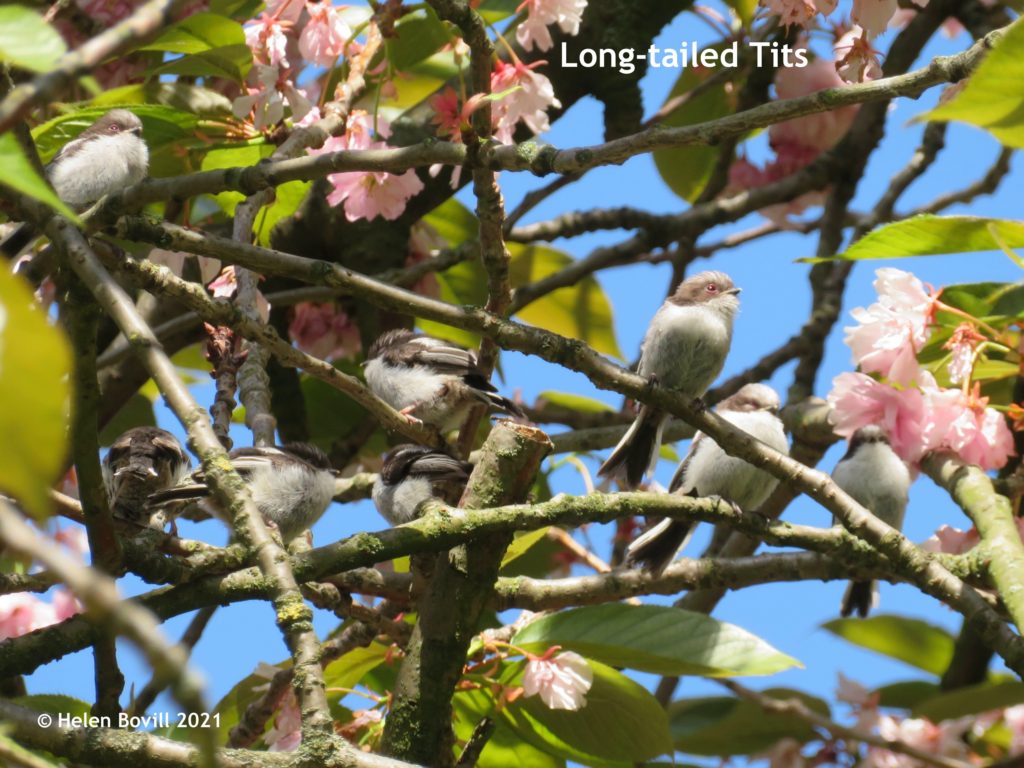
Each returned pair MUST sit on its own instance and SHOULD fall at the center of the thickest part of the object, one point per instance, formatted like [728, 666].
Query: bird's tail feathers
[860, 597]
[637, 451]
[658, 546]
[504, 404]
[190, 492]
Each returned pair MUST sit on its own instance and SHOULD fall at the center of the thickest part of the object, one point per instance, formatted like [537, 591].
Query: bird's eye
[114, 128]
[711, 288]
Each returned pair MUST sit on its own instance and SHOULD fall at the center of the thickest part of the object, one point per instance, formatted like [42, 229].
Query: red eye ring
[115, 128]
[711, 288]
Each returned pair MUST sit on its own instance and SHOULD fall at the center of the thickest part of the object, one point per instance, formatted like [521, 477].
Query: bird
[407, 479]
[292, 485]
[879, 481]
[707, 470]
[107, 157]
[141, 462]
[684, 349]
[433, 381]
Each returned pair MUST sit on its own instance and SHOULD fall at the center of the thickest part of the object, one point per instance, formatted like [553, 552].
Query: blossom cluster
[22, 612]
[918, 414]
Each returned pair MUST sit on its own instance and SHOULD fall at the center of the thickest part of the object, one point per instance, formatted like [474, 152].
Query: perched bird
[707, 470]
[434, 381]
[141, 462]
[684, 349]
[879, 481]
[105, 158]
[292, 485]
[407, 479]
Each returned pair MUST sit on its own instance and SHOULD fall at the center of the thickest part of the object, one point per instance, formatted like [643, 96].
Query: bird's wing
[439, 354]
[441, 466]
[679, 478]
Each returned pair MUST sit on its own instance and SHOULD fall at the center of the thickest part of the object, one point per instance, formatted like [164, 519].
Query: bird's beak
[136, 131]
[734, 291]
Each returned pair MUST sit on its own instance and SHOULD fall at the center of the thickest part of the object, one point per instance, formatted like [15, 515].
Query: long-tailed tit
[141, 462]
[408, 478]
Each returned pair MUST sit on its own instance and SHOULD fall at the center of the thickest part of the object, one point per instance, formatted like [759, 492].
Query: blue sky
[775, 303]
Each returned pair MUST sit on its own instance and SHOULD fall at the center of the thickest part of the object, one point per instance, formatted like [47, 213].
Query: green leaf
[18, 755]
[232, 62]
[725, 726]
[55, 704]
[505, 747]
[915, 642]
[575, 402]
[522, 543]
[20, 175]
[182, 97]
[906, 695]
[350, 669]
[27, 41]
[621, 723]
[197, 33]
[581, 311]
[993, 97]
[288, 198]
[971, 700]
[233, 157]
[659, 639]
[35, 363]
[418, 36]
[686, 170]
[928, 235]
[494, 11]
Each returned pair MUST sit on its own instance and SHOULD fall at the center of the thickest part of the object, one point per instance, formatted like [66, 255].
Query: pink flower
[785, 753]
[528, 104]
[540, 14]
[368, 194]
[800, 13]
[324, 37]
[962, 344]
[323, 330]
[944, 739]
[873, 15]
[268, 93]
[819, 131]
[21, 613]
[562, 681]
[962, 423]
[65, 605]
[286, 734]
[1014, 719]
[857, 401]
[268, 42]
[892, 331]
[175, 261]
[424, 243]
[951, 541]
[107, 12]
[74, 539]
[856, 60]
[225, 286]
[285, 10]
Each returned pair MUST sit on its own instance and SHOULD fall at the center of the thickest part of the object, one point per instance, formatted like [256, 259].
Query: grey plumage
[103, 159]
[408, 477]
[684, 349]
[707, 470]
[432, 380]
[141, 462]
[879, 481]
[291, 485]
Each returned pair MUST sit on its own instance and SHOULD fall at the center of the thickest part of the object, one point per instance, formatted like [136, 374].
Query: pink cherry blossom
[225, 286]
[873, 15]
[528, 104]
[368, 194]
[799, 13]
[561, 681]
[540, 14]
[1014, 719]
[267, 94]
[858, 401]
[286, 733]
[962, 345]
[892, 331]
[856, 59]
[951, 541]
[21, 613]
[944, 739]
[65, 605]
[285, 10]
[323, 330]
[962, 423]
[785, 753]
[424, 243]
[268, 41]
[819, 131]
[324, 37]
[73, 538]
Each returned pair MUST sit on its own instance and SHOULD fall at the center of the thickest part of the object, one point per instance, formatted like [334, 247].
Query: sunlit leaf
[993, 97]
[659, 639]
[19, 174]
[35, 363]
[505, 747]
[972, 700]
[929, 235]
[288, 197]
[578, 403]
[27, 41]
[915, 642]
